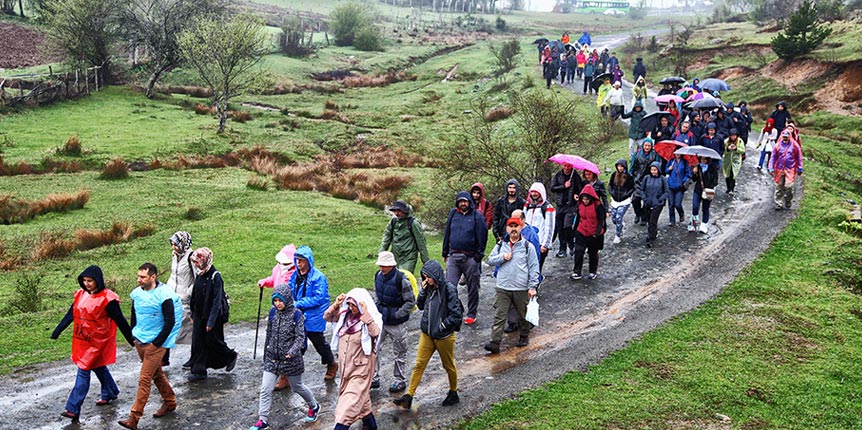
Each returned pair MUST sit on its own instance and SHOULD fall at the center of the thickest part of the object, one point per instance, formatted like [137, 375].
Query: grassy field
[779, 348]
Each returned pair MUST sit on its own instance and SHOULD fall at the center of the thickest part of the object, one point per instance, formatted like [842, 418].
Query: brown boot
[131, 423]
[281, 384]
[164, 410]
[331, 369]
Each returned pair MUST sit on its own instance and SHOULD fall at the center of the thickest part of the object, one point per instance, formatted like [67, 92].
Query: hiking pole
[257, 326]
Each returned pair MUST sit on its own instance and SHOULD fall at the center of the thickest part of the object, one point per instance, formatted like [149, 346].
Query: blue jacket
[311, 293]
[678, 173]
[654, 189]
[465, 233]
[148, 317]
[585, 39]
[590, 68]
[716, 143]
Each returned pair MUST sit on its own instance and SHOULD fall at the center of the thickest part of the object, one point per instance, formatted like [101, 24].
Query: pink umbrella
[699, 96]
[578, 163]
[669, 98]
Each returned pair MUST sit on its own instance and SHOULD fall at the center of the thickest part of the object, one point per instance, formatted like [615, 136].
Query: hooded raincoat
[541, 215]
[484, 206]
[310, 292]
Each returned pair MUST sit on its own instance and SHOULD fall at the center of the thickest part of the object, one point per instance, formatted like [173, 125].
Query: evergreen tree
[802, 33]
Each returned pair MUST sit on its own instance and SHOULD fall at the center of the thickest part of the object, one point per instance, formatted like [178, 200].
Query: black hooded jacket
[441, 308]
[112, 309]
[503, 209]
[621, 192]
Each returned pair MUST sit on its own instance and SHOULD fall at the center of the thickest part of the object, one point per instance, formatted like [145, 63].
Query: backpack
[297, 314]
[409, 226]
[400, 278]
[526, 252]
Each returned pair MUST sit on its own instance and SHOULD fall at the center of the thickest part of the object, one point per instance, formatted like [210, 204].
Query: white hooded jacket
[533, 213]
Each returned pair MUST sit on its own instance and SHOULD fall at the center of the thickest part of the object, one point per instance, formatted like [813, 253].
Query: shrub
[257, 183]
[27, 295]
[72, 147]
[240, 116]
[500, 23]
[194, 213]
[368, 38]
[115, 169]
[52, 245]
[346, 20]
[505, 54]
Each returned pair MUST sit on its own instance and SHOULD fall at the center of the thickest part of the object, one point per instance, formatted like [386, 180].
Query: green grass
[778, 348]
[243, 228]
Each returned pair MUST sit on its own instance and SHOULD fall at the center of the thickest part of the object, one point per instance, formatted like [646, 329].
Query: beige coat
[357, 370]
[181, 281]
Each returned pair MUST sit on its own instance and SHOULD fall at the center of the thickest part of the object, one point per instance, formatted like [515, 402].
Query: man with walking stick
[281, 274]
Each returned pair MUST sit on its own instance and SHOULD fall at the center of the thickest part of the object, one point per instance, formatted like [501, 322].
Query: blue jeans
[675, 202]
[617, 217]
[764, 156]
[696, 202]
[110, 390]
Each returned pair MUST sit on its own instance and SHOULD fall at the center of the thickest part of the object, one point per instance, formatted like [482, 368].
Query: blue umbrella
[713, 84]
[556, 44]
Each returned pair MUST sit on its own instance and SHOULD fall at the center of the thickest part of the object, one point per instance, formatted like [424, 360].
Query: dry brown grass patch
[240, 116]
[72, 147]
[52, 245]
[115, 169]
[204, 110]
[118, 233]
[377, 80]
[7, 261]
[498, 113]
[378, 157]
[329, 104]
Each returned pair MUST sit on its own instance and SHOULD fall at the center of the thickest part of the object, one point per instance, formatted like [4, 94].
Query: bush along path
[582, 321]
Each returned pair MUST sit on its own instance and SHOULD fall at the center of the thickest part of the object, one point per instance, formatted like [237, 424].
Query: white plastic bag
[533, 312]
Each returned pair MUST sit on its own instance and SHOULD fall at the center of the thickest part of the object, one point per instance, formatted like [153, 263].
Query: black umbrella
[707, 103]
[672, 80]
[599, 79]
[570, 47]
[649, 121]
[540, 40]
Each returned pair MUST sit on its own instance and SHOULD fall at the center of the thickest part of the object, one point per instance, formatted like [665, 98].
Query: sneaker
[492, 347]
[704, 228]
[643, 222]
[105, 402]
[561, 254]
[786, 205]
[617, 239]
[637, 220]
[187, 365]
[648, 244]
[593, 276]
[406, 401]
[575, 276]
[375, 383]
[70, 415]
[232, 364]
[260, 424]
[470, 320]
[313, 414]
[671, 224]
[397, 387]
[451, 398]
[523, 341]
[691, 228]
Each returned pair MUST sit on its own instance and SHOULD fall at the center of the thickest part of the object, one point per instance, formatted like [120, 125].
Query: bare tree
[225, 54]
[155, 25]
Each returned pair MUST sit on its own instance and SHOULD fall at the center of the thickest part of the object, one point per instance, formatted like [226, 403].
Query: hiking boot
[492, 347]
[375, 383]
[259, 425]
[523, 341]
[576, 276]
[397, 387]
[451, 398]
[510, 328]
[130, 423]
[406, 401]
[232, 364]
[164, 410]
[282, 384]
[313, 414]
[331, 370]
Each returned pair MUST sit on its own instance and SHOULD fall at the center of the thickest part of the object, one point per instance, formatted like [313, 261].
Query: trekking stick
[257, 326]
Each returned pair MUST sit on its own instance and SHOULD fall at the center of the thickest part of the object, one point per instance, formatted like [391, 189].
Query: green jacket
[635, 130]
[732, 160]
[404, 243]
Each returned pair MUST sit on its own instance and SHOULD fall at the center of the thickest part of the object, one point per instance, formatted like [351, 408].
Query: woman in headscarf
[182, 280]
[209, 350]
[768, 136]
[355, 334]
[786, 164]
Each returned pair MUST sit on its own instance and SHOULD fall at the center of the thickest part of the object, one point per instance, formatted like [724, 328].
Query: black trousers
[652, 213]
[321, 346]
[591, 246]
[209, 350]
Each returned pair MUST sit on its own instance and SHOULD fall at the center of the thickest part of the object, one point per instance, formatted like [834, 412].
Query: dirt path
[582, 321]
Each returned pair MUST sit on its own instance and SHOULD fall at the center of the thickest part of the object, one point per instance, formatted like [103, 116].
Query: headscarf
[183, 241]
[345, 324]
[202, 257]
[770, 124]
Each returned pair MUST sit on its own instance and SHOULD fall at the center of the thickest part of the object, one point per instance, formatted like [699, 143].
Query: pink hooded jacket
[280, 273]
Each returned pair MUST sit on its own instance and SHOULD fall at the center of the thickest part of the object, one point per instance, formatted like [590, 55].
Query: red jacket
[484, 207]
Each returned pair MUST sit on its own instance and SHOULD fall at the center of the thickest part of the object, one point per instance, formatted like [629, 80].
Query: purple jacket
[786, 155]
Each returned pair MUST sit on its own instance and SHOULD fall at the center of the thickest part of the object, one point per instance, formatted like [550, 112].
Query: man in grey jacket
[517, 280]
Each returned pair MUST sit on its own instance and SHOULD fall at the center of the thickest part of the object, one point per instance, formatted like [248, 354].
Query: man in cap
[517, 281]
[395, 301]
[404, 235]
[464, 241]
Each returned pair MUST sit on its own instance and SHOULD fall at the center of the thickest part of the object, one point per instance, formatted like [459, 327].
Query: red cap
[513, 220]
